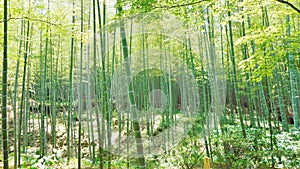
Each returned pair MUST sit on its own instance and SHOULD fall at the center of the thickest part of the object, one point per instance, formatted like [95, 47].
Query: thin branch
[32, 19]
[180, 5]
[289, 4]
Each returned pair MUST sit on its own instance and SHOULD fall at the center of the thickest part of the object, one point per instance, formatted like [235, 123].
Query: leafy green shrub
[232, 150]
[186, 155]
[33, 161]
[288, 149]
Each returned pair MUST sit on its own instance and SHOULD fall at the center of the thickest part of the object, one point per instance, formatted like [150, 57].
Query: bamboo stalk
[70, 90]
[4, 90]
[135, 123]
[80, 91]
[23, 91]
[15, 98]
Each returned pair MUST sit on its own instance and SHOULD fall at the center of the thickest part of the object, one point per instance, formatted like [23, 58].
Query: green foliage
[232, 150]
[187, 154]
[262, 48]
[288, 149]
[46, 162]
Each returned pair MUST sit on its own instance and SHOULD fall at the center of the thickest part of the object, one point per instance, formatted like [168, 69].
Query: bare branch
[180, 5]
[32, 19]
[289, 4]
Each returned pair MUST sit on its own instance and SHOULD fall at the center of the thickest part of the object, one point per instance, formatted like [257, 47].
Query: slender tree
[291, 66]
[15, 98]
[23, 89]
[4, 90]
[70, 94]
[235, 79]
[80, 92]
[136, 126]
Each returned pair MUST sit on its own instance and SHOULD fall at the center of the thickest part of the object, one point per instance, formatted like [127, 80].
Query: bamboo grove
[124, 84]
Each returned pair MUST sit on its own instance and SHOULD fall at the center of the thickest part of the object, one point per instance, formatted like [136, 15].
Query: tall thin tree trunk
[235, 81]
[23, 91]
[135, 123]
[15, 98]
[80, 92]
[43, 98]
[4, 90]
[70, 97]
[291, 66]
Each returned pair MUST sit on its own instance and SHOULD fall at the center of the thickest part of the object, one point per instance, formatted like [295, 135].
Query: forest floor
[56, 156]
